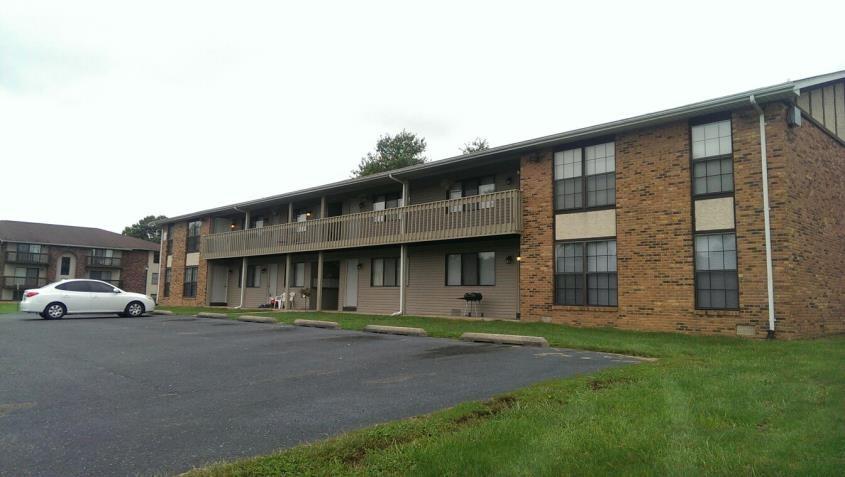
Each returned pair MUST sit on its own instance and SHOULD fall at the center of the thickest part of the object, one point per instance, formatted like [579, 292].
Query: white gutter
[770, 286]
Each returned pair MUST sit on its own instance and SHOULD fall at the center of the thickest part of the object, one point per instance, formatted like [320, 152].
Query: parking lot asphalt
[162, 394]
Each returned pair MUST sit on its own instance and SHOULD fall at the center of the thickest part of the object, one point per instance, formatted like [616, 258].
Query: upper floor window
[585, 177]
[387, 201]
[258, 222]
[156, 257]
[154, 278]
[192, 242]
[470, 188]
[28, 248]
[712, 158]
[168, 250]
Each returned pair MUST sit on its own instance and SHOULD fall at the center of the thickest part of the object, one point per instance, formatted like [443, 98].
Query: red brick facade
[654, 223]
[178, 264]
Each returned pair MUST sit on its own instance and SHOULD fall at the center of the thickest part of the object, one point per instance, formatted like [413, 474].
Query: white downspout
[770, 286]
[243, 262]
[403, 249]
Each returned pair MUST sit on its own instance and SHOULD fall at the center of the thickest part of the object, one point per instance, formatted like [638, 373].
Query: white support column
[403, 267]
[243, 281]
[320, 281]
[287, 282]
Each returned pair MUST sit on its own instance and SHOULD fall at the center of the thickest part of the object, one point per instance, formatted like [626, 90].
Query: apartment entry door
[219, 285]
[350, 300]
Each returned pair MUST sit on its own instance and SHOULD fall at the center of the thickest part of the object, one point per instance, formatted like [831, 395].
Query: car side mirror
[116, 290]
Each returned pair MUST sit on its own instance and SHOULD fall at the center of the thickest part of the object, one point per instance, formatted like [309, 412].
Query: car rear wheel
[54, 311]
[135, 309]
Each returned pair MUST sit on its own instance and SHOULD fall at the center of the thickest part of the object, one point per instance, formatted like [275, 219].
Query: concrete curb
[161, 312]
[395, 330]
[506, 339]
[206, 314]
[317, 324]
[257, 319]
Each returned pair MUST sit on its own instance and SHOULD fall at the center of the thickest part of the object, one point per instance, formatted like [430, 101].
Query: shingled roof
[69, 235]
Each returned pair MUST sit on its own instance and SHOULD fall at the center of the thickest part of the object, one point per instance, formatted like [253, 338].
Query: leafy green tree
[144, 230]
[392, 152]
[478, 144]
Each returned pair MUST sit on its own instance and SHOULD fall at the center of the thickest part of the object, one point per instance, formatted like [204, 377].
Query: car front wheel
[135, 309]
[54, 311]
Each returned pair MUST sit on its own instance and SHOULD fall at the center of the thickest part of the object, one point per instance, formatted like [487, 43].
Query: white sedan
[58, 299]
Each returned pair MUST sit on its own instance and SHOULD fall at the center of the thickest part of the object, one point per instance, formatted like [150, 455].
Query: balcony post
[243, 281]
[320, 281]
[403, 264]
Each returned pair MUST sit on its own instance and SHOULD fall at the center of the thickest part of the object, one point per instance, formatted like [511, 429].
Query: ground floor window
[585, 273]
[167, 277]
[104, 275]
[190, 287]
[65, 270]
[384, 272]
[253, 276]
[471, 269]
[716, 281]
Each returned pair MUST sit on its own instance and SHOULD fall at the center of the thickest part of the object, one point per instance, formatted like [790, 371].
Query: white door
[219, 284]
[351, 300]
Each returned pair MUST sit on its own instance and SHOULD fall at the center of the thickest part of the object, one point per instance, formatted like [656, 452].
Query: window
[28, 248]
[585, 173]
[102, 257]
[585, 273]
[154, 278]
[169, 243]
[716, 281]
[258, 222]
[76, 286]
[26, 277]
[65, 267]
[387, 201]
[471, 269]
[470, 188]
[712, 160]
[302, 216]
[103, 275]
[167, 277]
[190, 288]
[299, 274]
[384, 272]
[192, 242]
[97, 287]
[156, 257]
[253, 276]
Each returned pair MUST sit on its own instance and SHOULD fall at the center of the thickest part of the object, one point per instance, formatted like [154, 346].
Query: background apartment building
[721, 217]
[34, 255]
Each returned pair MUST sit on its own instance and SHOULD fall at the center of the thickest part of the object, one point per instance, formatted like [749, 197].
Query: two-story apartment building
[33, 255]
[720, 217]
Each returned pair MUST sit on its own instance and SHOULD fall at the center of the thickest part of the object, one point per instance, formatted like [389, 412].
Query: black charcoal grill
[472, 302]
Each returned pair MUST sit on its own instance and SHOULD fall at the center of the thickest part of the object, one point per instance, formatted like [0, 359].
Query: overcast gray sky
[113, 110]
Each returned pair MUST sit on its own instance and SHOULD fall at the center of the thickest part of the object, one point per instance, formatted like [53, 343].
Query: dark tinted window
[80, 286]
[98, 287]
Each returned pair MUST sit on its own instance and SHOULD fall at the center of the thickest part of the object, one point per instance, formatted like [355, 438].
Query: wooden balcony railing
[102, 261]
[27, 258]
[21, 283]
[498, 213]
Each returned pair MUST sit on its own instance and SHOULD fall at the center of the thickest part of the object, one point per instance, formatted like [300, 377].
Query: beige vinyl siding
[826, 104]
[437, 188]
[376, 300]
[255, 296]
[427, 293]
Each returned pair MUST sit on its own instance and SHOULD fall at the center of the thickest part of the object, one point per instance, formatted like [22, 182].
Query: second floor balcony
[102, 261]
[27, 258]
[498, 213]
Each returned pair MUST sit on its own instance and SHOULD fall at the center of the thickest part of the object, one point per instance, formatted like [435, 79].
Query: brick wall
[133, 271]
[180, 231]
[654, 220]
[810, 300]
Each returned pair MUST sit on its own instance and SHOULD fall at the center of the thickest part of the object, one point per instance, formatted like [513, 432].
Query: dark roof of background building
[52, 234]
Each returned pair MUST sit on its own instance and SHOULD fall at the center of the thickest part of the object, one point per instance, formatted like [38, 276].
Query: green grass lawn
[8, 307]
[707, 406]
